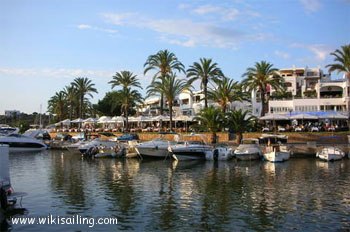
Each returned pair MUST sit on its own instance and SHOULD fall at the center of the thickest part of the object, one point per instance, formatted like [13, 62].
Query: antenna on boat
[40, 123]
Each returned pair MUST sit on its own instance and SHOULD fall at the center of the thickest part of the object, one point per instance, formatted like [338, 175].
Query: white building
[188, 103]
[310, 90]
[12, 113]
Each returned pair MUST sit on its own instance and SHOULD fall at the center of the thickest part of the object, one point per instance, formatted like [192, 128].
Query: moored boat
[22, 143]
[276, 153]
[96, 142]
[119, 150]
[190, 150]
[220, 153]
[249, 149]
[330, 153]
[7, 130]
[156, 148]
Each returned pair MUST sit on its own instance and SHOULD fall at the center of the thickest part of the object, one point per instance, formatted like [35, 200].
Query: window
[185, 101]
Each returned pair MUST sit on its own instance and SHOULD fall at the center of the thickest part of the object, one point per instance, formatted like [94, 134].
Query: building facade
[307, 90]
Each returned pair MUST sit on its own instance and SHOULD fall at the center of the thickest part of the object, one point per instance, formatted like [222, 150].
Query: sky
[46, 44]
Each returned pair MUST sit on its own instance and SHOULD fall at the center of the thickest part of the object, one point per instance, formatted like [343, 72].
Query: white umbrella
[334, 115]
[65, 122]
[90, 120]
[183, 118]
[104, 119]
[78, 120]
[274, 117]
[161, 117]
[118, 119]
[303, 116]
[132, 119]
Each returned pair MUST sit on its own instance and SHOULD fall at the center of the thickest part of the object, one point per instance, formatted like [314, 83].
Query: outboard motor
[4, 175]
[3, 199]
[91, 152]
[216, 154]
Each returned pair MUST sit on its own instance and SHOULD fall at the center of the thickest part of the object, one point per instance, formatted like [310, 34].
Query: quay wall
[224, 137]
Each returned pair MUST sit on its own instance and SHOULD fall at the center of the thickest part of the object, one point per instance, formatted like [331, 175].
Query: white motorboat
[74, 147]
[249, 149]
[41, 134]
[194, 147]
[4, 167]
[273, 139]
[190, 147]
[219, 153]
[7, 130]
[157, 148]
[330, 153]
[190, 150]
[119, 150]
[276, 153]
[22, 143]
[8, 198]
[103, 144]
[5, 183]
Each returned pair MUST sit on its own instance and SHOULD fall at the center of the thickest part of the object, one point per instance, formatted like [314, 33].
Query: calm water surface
[298, 195]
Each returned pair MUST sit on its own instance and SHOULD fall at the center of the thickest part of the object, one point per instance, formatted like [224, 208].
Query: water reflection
[300, 194]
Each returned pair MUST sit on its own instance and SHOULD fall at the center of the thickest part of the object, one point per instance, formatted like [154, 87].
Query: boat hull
[183, 155]
[330, 154]
[189, 152]
[247, 156]
[219, 153]
[153, 152]
[278, 156]
[23, 145]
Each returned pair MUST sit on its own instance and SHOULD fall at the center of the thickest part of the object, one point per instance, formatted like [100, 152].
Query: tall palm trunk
[161, 104]
[126, 120]
[171, 115]
[205, 84]
[263, 104]
[213, 138]
[81, 106]
[239, 137]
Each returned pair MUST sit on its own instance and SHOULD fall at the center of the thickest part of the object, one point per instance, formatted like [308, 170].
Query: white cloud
[227, 14]
[119, 19]
[54, 73]
[182, 32]
[311, 6]
[281, 54]
[83, 26]
[319, 51]
[89, 27]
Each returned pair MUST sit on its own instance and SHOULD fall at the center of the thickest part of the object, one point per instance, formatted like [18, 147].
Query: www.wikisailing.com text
[64, 220]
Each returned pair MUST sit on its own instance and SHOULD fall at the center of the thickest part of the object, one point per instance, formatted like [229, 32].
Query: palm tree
[57, 105]
[342, 59]
[128, 97]
[212, 119]
[170, 87]
[239, 121]
[259, 78]
[83, 87]
[164, 62]
[226, 91]
[70, 95]
[126, 79]
[205, 70]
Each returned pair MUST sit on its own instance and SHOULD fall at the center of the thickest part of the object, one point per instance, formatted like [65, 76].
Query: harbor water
[301, 194]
